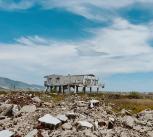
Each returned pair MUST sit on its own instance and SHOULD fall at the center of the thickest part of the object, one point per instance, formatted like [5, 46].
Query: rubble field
[49, 115]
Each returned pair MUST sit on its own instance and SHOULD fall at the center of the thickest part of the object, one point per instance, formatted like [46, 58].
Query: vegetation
[133, 101]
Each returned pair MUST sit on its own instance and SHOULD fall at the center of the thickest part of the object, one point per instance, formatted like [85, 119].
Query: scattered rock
[15, 110]
[71, 115]
[111, 122]
[128, 121]
[28, 108]
[93, 103]
[50, 120]
[32, 133]
[125, 112]
[63, 118]
[6, 133]
[7, 109]
[150, 133]
[36, 99]
[84, 124]
[67, 126]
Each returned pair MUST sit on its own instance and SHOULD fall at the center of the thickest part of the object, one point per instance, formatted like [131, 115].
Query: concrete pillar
[47, 89]
[63, 87]
[60, 89]
[55, 88]
[51, 88]
[84, 89]
[69, 88]
[90, 89]
[77, 89]
[97, 89]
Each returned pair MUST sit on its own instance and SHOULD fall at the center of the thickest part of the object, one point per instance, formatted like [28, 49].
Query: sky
[111, 39]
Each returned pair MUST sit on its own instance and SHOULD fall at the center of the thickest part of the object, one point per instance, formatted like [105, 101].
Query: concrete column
[97, 89]
[51, 88]
[60, 89]
[63, 87]
[84, 89]
[77, 89]
[69, 88]
[90, 89]
[55, 88]
[47, 89]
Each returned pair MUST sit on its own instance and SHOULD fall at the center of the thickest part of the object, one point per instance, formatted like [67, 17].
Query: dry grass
[136, 105]
[131, 101]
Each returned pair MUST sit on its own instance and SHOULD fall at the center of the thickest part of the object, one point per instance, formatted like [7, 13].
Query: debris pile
[24, 115]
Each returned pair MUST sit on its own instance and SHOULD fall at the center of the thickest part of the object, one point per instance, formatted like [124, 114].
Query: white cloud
[120, 48]
[87, 8]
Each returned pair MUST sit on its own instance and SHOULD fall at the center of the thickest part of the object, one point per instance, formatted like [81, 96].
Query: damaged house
[60, 83]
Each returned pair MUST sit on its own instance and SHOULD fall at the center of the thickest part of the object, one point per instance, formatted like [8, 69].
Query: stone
[63, 118]
[32, 133]
[150, 133]
[49, 119]
[128, 121]
[15, 110]
[6, 133]
[93, 103]
[36, 99]
[146, 115]
[84, 124]
[125, 112]
[111, 122]
[71, 115]
[88, 133]
[7, 109]
[81, 104]
[28, 108]
[67, 126]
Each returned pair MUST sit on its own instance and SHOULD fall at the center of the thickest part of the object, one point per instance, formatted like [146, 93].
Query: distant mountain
[6, 83]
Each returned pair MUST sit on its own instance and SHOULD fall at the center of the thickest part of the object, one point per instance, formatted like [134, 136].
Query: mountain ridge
[7, 83]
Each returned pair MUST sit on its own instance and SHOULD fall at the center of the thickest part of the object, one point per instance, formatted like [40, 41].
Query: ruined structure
[61, 83]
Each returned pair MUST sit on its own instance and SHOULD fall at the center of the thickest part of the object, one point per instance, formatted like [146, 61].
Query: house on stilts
[69, 83]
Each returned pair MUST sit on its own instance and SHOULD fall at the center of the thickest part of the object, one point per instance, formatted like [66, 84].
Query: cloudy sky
[112, 39]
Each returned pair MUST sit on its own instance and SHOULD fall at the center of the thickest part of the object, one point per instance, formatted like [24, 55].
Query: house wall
[80, 80]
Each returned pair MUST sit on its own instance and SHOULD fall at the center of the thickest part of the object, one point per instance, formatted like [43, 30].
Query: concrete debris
[63, 118]
[125, 112]
[67, 126]
[128, 121]
[32, 133]
[36, 99]
[7, 109]
[84, 124]
[26, 115]
[6, 133]
[49, 119]
[28, 108]
[71, 115]
[93, 103]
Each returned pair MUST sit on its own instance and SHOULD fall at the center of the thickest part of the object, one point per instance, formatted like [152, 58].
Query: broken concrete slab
[32, 133]
[84, 124]
[49, 119]
[63, 118]
[6, 133]
[15, 110]
[7, 109]
[28, 108]
[93, 103]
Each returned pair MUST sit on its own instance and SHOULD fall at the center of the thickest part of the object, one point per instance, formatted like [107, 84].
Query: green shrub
[134, 95]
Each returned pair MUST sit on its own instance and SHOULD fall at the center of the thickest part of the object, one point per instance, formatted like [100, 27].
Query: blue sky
[113, 40]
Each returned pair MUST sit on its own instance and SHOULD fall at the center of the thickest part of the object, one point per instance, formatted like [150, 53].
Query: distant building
[61, 83]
